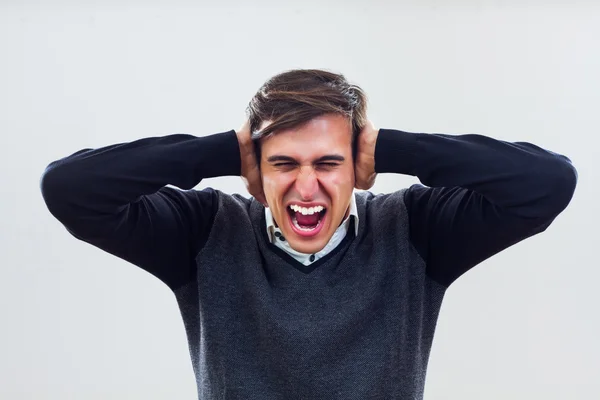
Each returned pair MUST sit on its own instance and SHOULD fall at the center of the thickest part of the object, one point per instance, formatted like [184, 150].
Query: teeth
[306, 211]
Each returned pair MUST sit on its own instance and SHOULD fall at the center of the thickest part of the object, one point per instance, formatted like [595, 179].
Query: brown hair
[292, 98]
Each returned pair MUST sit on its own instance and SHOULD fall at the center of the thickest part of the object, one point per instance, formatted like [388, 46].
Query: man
[309, 290]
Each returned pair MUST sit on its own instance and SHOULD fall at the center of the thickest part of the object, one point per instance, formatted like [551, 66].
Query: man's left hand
[364, 165]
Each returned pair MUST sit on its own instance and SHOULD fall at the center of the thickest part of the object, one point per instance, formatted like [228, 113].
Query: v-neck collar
[297, 264]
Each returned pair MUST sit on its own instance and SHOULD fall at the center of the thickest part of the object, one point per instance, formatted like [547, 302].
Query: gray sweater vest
[358, 326]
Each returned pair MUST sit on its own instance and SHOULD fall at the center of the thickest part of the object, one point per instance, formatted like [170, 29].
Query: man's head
[304, 124]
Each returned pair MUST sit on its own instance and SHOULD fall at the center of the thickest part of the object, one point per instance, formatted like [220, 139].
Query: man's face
[309, 167]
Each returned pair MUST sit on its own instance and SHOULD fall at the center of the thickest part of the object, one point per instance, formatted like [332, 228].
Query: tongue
[307, 220]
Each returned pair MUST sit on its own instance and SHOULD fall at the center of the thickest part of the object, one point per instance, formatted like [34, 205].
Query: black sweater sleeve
[482, 195]
[117, 199]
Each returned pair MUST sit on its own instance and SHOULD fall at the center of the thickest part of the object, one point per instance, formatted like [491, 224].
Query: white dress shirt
[276, 236]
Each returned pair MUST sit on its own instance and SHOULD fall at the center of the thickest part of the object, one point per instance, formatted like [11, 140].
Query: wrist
[244, 138]
[368, 139]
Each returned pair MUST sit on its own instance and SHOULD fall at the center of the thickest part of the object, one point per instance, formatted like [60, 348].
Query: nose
[307, 183]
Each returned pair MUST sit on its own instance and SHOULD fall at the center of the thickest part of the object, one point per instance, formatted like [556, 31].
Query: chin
[308, 248]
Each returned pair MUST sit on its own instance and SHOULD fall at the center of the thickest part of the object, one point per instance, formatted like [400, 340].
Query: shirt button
[312, 258]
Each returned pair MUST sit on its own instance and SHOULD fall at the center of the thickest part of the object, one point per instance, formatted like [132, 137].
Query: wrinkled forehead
[307, 145]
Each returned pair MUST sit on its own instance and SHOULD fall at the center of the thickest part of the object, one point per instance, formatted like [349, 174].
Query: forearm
[520, 178]
[103, 180]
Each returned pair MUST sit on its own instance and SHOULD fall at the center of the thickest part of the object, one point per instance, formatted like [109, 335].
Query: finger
[257, 192]
[261, 198]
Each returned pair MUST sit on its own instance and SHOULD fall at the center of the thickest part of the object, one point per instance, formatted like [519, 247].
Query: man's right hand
[250, 172]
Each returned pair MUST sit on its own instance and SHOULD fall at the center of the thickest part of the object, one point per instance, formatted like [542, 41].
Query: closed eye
[324, 165]
[327, 165]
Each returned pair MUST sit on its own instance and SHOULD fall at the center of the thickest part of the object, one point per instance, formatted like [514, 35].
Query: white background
[78, 323]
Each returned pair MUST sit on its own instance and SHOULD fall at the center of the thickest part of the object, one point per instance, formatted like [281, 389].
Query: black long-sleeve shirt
[377, 293]
[478, 189]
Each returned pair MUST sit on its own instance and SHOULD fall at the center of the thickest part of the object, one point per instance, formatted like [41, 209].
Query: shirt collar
[271, 228]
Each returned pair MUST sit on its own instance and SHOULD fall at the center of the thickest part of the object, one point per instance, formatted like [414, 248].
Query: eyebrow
[328, 157]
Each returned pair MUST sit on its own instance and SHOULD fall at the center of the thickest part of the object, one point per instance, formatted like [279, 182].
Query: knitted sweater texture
[356, 324]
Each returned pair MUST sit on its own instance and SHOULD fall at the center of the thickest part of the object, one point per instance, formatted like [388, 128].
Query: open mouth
[307, 221]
